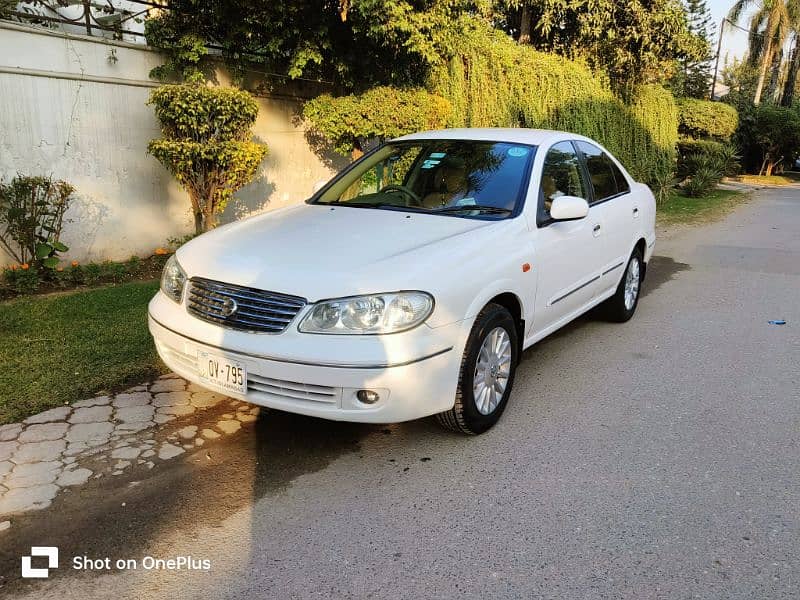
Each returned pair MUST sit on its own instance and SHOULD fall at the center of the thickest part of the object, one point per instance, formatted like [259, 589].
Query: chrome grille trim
[293, 390]
[259, 311]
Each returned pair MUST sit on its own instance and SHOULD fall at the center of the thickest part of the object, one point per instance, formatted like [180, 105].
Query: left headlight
[373, 314]
[173, 278]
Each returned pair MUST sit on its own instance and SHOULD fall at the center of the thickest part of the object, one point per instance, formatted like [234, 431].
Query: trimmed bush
[494, 82]
[382, 112]
[705, 119]
[206, 144]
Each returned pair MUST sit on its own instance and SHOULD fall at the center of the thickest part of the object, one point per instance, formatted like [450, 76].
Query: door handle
[635, 212]
[596, 229]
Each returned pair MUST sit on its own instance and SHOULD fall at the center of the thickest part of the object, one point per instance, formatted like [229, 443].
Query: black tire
[465, 417]
[614, 308]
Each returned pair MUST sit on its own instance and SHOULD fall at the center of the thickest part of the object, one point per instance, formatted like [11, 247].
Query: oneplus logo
[50, 552]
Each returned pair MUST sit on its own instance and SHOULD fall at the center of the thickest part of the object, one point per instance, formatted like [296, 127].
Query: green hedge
[382, 112]
[494, 82]
[704, 119]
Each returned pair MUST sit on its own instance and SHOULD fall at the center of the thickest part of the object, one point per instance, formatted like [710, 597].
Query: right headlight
[369, 315]
[173, 278]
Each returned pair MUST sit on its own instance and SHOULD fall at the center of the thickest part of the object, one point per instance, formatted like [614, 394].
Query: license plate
[222, 373]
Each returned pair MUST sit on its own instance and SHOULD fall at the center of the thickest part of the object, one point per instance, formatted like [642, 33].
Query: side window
[561, 176]
[607, 179]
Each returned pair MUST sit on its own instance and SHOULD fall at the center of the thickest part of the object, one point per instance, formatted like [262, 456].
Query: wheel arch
[513, 304]
[641, 246]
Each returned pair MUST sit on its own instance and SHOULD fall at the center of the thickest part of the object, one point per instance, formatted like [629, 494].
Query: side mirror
[318, 186]
[568, 208]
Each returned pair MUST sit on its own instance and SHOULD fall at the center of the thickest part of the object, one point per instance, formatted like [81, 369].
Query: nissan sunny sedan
[410, 283]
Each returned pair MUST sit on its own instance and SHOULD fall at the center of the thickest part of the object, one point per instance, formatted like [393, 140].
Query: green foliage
[21, 280]
[705, 119]
[176, 242]
[200, 113]
[494, 82]
[205, 144]
[357, 43]
[692, 77]
[703, 181]
[31, 217]
[185, 51]
[769, 136]
[694, 153]
[634, 41]
[383, 112]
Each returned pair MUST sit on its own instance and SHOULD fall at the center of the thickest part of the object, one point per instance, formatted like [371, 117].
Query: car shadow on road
[124, 516]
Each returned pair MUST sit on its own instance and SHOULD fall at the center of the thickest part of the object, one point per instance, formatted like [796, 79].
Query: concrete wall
[69, 110]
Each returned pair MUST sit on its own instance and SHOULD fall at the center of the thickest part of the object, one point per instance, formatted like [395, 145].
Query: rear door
[612, 198]
[569, 254]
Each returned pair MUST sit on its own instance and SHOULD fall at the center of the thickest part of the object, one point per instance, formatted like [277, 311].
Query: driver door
[569, 254]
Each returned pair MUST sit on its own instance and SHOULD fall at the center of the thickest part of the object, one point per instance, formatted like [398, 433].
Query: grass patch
[61, 348]
[784, 179]
[683, 209]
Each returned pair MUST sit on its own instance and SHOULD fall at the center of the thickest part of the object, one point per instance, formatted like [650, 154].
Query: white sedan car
[410, 283]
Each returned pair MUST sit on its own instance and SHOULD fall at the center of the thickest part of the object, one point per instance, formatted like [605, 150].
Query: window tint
[444, 176]
[561, 175]
[606, 177]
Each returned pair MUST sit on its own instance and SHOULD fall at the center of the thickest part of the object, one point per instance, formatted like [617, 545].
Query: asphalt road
[656, 459]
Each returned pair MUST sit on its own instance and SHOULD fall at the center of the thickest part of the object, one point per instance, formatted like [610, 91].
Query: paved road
[659, 459]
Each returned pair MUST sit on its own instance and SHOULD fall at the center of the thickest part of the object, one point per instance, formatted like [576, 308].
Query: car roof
[515, 135]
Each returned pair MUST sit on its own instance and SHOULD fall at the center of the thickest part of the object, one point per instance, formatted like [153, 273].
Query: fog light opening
[367, 396]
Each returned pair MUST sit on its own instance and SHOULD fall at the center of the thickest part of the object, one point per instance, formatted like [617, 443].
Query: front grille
[242, 308]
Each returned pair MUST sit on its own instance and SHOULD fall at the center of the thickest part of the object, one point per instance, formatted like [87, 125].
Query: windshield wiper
[474, 207]
[379, 205]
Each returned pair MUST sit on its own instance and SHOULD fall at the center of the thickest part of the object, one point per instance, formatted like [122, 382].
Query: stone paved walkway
[108, 435]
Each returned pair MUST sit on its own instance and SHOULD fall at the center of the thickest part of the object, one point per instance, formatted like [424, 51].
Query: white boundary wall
[69, 111]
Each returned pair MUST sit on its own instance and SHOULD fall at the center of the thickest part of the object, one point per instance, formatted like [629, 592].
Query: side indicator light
[526, 267]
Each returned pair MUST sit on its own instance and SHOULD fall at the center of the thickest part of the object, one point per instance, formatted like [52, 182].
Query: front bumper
[414, 372]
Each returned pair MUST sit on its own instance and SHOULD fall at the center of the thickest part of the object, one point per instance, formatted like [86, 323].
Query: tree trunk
[766, 60]
[198, 223]
[791, 78]
[525, 25]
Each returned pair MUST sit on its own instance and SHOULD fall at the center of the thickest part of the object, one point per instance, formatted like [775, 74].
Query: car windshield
[461, 178]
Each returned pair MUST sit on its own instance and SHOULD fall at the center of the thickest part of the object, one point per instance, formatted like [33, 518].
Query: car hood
[318, 252]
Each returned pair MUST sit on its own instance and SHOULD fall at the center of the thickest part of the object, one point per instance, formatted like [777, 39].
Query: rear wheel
[487, 373]
[621, 306]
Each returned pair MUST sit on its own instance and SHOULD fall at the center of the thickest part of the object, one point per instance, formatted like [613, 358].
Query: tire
[467, 416]
[618, 308]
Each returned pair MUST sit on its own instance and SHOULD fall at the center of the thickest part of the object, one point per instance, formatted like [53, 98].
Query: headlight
[373, 314]
[173, 279]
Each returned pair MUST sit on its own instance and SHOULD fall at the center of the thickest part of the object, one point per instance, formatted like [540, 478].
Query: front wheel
[487, 373]
[621, 306]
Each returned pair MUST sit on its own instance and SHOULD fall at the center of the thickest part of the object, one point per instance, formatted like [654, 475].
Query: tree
[693, 76]
[205, 144]
[354, 43]
[769, 28]
[769, 135]
[635, 41]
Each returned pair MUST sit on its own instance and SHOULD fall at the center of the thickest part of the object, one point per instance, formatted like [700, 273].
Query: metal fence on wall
[121, 20]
